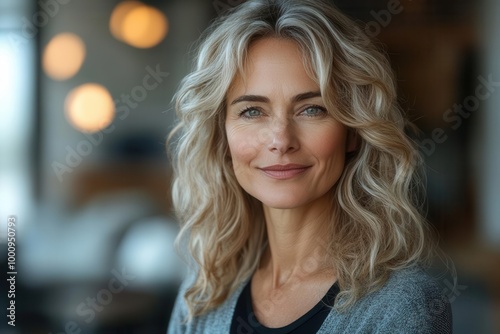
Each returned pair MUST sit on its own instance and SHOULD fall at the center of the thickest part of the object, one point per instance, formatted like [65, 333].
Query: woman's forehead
[274, 62]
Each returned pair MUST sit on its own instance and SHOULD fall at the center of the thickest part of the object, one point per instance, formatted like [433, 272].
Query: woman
[295, 183]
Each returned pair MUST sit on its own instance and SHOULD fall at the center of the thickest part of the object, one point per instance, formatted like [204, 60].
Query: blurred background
[85, 108]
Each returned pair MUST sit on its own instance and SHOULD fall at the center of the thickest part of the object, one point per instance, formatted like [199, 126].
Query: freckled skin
[282, 131]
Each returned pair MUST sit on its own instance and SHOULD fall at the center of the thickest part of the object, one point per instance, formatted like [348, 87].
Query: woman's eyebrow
[260, 98]
[305, 96]
[250, 98]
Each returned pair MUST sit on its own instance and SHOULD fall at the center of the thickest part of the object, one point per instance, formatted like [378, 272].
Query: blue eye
[251, 113]
[313, 111]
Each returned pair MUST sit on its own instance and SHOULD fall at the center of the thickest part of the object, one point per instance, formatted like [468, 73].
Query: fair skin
[288, 152]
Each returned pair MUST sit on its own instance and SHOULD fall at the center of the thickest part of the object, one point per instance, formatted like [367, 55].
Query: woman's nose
[282, 137]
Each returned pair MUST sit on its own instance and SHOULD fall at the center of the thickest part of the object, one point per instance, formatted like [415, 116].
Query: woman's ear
[353, 141]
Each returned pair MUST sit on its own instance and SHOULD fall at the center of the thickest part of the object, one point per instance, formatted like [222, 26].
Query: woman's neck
[298, 243]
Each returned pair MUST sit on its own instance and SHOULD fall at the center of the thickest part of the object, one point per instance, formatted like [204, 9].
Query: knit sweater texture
[411, 301]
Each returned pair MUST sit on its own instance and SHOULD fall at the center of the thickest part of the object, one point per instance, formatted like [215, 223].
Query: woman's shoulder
[413, 283]
[214, 321]
[411, 301]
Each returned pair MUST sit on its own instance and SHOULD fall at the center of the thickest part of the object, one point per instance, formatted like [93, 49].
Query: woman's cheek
[244, 143]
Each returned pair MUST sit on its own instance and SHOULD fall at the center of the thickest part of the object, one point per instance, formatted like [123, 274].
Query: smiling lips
[283, 172]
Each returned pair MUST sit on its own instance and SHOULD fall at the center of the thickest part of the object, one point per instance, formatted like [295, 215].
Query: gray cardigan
[410, 302]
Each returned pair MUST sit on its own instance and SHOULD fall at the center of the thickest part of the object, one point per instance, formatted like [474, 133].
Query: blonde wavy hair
[376, 225]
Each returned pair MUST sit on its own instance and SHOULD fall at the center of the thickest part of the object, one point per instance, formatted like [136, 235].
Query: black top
[245, 322]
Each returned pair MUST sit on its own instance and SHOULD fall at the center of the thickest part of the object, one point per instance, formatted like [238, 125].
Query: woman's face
[286, 150]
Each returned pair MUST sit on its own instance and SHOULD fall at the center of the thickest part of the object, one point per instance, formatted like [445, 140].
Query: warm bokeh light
[63, 56]
[137, 24]
[90, 107]
[120, 12]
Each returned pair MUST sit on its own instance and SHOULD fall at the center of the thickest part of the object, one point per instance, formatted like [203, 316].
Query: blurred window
[17, 86]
